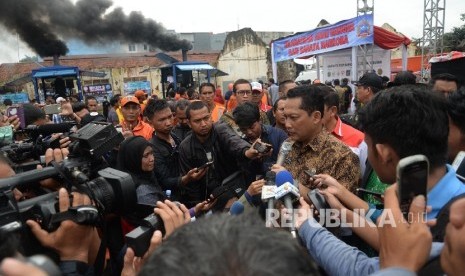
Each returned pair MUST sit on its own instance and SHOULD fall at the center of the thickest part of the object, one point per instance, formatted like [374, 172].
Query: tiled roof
[12, 71]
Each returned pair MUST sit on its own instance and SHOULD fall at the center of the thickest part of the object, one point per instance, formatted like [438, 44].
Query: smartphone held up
[412, 180]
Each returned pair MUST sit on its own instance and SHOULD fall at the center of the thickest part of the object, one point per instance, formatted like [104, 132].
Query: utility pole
[433, 33]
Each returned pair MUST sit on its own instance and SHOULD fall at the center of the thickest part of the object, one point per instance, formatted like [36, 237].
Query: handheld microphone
[236, 209]
[48, 129]
[286, 191]
[269, 189]
[286, 147]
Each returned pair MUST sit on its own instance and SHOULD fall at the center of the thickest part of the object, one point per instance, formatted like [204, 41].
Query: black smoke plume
[40, 23]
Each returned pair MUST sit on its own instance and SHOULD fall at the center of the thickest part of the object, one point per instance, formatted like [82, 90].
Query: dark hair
[32, 113]
[405, 77]
[195, 105]
[312, 97]
[445, 77]
[336, 82]
[271, 80]
[154, 106]
[283, 83]
[114, 100]
[171, 93]
[246, 114]
[190, 92]
[345, 81]
[275, 106]
[7, 102]
[241, 81]
[78, 106]
[90, 98]
[456, 108]
[182, 104]
[182, 91]
[206, 84]
[331, 99]
[411, 119]
[229, 245]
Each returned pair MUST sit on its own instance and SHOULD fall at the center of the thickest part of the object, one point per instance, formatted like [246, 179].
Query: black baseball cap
[372, 80]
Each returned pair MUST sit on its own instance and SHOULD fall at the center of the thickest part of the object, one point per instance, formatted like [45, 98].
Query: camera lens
[114, 189]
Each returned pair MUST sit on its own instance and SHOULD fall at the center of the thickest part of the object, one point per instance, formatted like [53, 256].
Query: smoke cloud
[43, 23]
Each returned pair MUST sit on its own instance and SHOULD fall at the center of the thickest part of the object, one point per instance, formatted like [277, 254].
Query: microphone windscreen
[237, 208]
[283, 177]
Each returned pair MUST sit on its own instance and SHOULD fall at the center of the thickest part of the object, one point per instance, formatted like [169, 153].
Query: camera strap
[85, 215]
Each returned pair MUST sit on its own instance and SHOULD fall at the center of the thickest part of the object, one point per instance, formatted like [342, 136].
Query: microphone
[48, 129]
[286, 147]
[286, 191]
[236, 209]
[269, 189]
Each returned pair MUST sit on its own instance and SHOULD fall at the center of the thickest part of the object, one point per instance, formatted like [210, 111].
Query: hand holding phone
[262, 148]
[204, 166]
[412, 180]
[18, 111]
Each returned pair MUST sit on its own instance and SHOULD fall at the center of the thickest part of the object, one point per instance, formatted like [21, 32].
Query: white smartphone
[412, 180]
[459, 166]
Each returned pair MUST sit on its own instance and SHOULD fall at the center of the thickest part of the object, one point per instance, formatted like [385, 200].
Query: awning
[389, 40]
[195, 67]
[53, 73]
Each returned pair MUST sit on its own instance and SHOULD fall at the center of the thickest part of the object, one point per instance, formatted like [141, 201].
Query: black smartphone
[262, 147]
[412, 180]
[204, 166]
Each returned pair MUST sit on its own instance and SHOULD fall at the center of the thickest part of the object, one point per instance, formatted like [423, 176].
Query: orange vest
[217, 112]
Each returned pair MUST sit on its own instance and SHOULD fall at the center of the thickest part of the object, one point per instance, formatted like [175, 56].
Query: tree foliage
[455, 40]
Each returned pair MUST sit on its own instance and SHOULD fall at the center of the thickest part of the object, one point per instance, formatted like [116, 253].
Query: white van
[310, 75]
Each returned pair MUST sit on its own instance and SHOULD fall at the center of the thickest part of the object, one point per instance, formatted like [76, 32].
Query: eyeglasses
[248, 92]
[243, 92]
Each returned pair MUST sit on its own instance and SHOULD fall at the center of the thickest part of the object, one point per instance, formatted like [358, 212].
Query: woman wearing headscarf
[135, 157]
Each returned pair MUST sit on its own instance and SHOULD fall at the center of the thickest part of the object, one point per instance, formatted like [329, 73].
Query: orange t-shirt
[142, 129]
[232, 103]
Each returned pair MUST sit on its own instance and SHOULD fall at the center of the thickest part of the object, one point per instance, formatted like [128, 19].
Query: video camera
[112, 191]
[37, 142]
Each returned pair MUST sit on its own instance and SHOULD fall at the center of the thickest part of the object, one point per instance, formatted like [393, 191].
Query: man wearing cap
[207, 94]
[242, 89]
[368, 85]
[257, 95]
[132, 124]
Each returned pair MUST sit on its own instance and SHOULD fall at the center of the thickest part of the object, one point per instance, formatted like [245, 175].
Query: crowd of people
[195, 154]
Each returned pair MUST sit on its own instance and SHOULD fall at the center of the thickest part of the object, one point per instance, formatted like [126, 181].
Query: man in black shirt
[210, 143]
[166, 145]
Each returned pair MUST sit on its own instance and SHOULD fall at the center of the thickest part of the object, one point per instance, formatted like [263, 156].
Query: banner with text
[338, 64]
[344, 34]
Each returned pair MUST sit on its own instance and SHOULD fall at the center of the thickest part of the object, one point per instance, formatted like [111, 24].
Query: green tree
[455, 40]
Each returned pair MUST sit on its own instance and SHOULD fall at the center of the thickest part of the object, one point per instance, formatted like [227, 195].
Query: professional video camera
[112, 191]
[38, 140]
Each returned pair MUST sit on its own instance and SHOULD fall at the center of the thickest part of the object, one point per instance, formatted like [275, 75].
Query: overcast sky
[260, 15]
